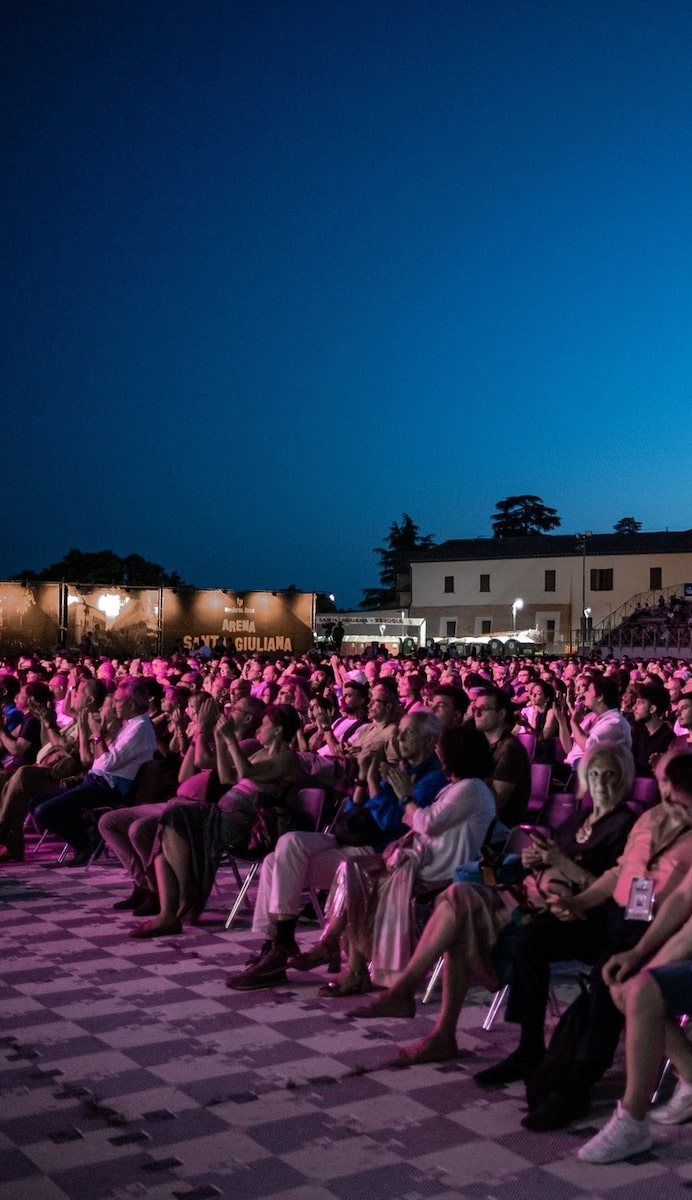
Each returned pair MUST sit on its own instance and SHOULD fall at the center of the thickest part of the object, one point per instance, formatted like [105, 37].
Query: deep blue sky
[276, 271]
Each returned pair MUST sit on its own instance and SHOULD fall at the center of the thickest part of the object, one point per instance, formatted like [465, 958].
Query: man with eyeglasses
[493, 715]
[311, 859]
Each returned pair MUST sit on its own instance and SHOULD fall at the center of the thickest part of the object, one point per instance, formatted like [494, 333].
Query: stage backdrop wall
[28, 616]
[144, 621]
[264, 622]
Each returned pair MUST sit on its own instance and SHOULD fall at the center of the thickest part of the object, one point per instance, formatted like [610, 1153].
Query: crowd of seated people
[668, 622]
[175, 761]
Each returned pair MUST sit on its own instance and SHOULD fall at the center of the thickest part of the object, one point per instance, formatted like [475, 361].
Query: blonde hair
[618, 757]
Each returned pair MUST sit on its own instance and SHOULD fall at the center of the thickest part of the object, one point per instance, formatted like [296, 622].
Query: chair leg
[98, 850]
[661, 1080]
[242, 893]
[31, 828]
[314, 900]
[495, 1006]
[437, 971]
[665, 1068]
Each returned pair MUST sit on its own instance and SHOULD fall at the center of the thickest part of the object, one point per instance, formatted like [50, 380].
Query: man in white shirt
[110, 777]
[602, 699]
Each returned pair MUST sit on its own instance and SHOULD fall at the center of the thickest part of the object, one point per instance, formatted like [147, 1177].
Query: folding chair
[541, 774]
[645, 793]
[309, 802]
[516, 840]
[557, 808]
[528, 741]
[682, 1022]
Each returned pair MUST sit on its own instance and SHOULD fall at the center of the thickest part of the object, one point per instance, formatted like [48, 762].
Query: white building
[568, 583]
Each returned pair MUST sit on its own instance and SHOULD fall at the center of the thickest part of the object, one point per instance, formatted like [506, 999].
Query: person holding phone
[468, 919]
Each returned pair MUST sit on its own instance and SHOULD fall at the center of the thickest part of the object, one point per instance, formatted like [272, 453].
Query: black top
[607, 841]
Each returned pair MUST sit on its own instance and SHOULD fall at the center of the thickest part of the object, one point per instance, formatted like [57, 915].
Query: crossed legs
[174, 884]
[461, 929]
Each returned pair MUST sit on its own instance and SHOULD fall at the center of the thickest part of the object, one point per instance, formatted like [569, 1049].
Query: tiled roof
[563, 545]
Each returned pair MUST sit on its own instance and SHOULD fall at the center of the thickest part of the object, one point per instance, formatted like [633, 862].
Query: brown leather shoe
[268, 971]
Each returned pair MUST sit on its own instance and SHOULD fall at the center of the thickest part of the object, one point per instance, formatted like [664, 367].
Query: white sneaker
[621, 1137]
[678, 1108]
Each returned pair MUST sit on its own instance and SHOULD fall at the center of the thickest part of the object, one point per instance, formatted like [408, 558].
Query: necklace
[584, 831]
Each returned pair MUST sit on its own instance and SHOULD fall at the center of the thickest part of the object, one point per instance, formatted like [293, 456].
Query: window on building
[485, 583]
[655, 578]
[549, 583]
[451, 629]
[449, 583]
[486, 626]
[550, 631]
[601, 579]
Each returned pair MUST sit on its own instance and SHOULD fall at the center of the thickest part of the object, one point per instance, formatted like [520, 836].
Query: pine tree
[627, 525]
[401, 541]
[519, 516]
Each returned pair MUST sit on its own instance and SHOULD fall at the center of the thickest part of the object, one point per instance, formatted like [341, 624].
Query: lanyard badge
[640, 906]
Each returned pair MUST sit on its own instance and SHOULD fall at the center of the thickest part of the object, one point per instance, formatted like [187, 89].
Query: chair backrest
[540, 785]
[528, 741]
[558, 807]
[645, 792]
[311, 804]
[155, 781]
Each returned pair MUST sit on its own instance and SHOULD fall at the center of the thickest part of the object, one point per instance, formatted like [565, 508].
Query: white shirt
[611, 727]
[134, 745]
[453, 827]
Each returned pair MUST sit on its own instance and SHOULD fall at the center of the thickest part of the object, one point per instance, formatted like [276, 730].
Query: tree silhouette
[519, 516]
[627, 525]
[402, 540]
[103, 566]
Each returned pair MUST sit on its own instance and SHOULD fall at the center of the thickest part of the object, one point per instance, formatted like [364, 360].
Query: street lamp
[518, 604]
[587, 624]
[583, 545]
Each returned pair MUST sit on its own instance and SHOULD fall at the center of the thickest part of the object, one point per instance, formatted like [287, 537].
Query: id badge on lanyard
[640, 906]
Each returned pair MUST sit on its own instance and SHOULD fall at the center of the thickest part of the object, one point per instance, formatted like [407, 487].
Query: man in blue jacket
[303, 860]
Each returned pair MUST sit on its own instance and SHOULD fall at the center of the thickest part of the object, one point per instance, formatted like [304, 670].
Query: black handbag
[557, 1065]
[356, 827]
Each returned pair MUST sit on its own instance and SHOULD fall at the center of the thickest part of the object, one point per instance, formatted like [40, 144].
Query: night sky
[276, 271]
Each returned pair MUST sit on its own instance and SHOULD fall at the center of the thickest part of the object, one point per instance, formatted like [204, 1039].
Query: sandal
[348, 985]
[322, 954]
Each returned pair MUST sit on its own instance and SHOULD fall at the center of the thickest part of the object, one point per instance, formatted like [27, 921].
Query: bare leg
[176, 851]
[441, 1042]
[439, 935]
[645, 1040]
[17, 791]
[650, 1035]
[169, 889]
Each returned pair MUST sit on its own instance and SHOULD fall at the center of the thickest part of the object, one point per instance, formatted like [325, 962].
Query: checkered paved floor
[129, 1071]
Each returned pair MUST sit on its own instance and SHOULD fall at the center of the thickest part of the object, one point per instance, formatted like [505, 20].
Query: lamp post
[516, 606]
[582, 542]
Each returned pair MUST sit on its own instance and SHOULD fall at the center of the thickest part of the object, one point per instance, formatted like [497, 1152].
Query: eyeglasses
[481, 708]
